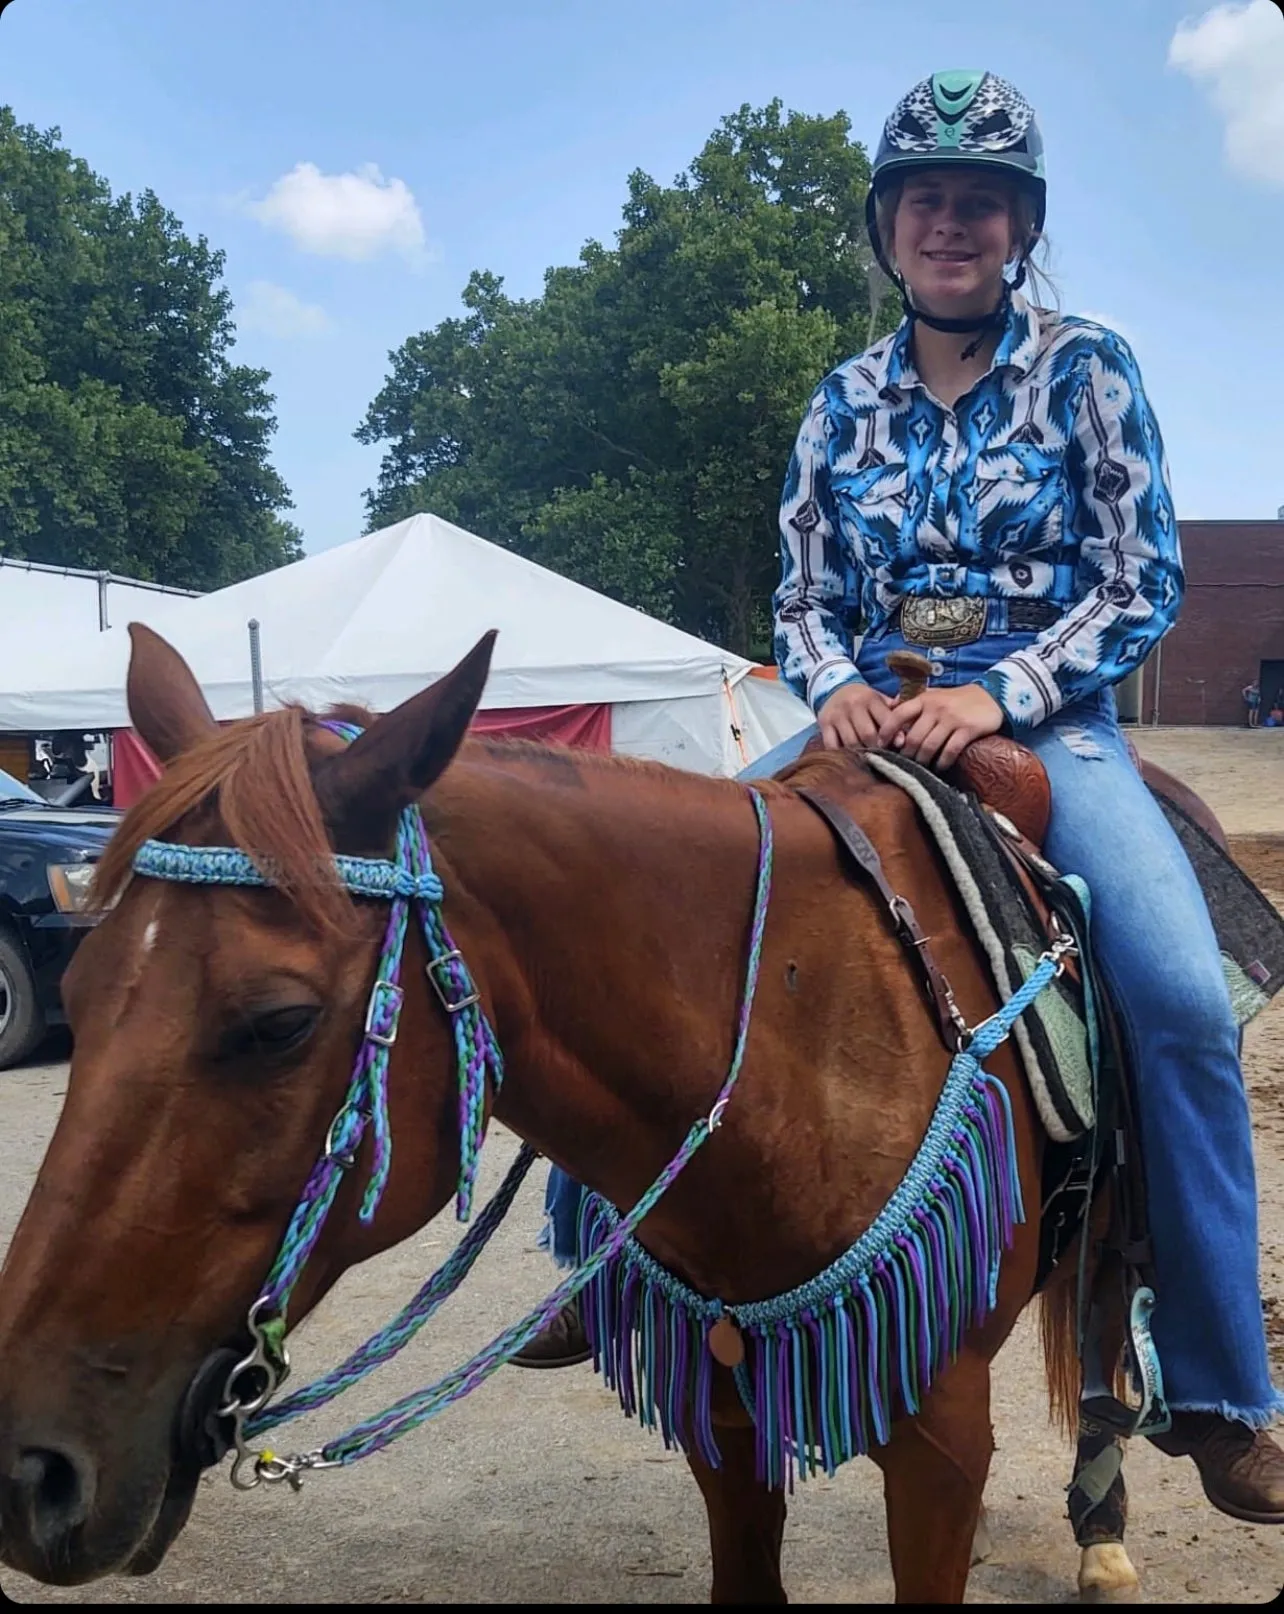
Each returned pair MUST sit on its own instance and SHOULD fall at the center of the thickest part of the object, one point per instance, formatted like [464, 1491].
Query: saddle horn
[913, 671]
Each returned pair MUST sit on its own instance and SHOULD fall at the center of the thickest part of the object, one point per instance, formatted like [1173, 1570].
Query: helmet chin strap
[981, 324]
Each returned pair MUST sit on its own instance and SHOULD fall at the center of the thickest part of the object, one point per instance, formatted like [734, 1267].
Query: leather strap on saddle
[863, 853]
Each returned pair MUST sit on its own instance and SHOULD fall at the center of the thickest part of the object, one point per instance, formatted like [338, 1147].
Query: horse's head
[215, 1033]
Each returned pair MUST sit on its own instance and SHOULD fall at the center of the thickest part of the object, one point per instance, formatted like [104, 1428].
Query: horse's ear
[363, 789]
[166, 706]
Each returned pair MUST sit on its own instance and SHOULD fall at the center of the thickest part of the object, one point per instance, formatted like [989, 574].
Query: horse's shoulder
[882, 810]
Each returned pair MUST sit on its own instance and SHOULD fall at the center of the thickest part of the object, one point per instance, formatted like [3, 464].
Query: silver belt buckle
[942, 624]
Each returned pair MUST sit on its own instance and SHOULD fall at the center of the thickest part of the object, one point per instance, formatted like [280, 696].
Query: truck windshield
[11, 790]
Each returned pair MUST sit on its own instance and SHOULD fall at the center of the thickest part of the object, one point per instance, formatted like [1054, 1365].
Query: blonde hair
[1022, 212]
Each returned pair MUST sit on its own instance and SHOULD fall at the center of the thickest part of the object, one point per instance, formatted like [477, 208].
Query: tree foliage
[129, 441]
[630, 427]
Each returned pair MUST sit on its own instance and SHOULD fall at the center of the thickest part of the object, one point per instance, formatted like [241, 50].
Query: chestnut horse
[603, 908]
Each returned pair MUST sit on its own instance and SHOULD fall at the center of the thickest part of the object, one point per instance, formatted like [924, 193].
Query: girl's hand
[936, 726]
[852, 715]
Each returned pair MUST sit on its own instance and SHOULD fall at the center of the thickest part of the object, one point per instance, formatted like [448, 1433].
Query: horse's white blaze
[150, 935]
[1106, 1575]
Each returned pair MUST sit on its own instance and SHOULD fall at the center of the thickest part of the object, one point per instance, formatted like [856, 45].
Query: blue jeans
[1155, 944]
[562, 1214]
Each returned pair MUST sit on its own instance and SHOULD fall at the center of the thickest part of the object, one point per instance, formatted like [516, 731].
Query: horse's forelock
[256, 772]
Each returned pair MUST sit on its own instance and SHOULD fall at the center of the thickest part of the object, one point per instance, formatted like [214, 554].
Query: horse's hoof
[1106, 1575]
[982, 1544]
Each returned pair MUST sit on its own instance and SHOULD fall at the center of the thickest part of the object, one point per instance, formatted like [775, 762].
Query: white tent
[45, 609]
[375, 620]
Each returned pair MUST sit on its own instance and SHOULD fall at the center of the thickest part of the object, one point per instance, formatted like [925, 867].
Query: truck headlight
[69, 885]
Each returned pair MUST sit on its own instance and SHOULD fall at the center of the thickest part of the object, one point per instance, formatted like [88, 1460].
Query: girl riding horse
[988, 485]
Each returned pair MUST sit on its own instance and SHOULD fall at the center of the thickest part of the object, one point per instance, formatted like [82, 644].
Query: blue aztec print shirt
[1046, 481]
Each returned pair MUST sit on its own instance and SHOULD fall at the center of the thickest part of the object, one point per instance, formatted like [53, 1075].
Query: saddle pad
[1050, 1036]
[1249, 928]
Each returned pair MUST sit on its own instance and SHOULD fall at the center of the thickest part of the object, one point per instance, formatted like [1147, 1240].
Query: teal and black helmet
[966, 117]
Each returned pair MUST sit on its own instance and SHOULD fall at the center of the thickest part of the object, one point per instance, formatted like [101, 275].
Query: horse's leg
[1106, 1573]
[746, 1522]
[934, 1471]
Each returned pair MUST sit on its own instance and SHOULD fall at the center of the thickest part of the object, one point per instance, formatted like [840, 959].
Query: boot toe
[563, 1343]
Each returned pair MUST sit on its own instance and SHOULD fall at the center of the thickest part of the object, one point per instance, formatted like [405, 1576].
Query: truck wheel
[22, 1021]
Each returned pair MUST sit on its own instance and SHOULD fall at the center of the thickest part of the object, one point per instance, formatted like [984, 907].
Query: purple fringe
[829, 1365]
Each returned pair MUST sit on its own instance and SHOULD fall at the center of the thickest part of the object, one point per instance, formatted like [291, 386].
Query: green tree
[129, 441]
[630, 427]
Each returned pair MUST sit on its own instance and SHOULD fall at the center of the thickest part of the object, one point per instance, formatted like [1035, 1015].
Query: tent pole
[256, 665]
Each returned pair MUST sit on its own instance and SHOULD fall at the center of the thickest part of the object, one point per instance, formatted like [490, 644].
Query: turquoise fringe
[829, 1364]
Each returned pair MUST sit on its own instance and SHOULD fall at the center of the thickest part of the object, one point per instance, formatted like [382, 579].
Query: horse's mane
[257, 773]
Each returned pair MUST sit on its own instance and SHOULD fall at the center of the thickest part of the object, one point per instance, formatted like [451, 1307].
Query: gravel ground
[537, 1490]
[1238, 772]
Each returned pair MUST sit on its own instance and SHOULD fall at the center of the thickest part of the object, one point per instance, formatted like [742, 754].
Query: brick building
[1231, 628]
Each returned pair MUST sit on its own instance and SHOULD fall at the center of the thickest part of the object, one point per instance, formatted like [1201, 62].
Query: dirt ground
[537, 1490]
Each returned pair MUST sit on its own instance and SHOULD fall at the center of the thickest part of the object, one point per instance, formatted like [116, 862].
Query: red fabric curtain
[135, 769]
[588, 727]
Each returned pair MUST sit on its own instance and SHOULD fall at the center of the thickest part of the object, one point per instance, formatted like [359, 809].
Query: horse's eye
[278, 1031]
[284, 1028]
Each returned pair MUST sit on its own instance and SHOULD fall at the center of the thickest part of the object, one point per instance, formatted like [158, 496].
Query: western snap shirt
[1045, 481]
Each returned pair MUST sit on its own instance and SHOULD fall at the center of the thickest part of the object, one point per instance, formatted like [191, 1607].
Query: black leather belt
[946, 623]
[1032, 616]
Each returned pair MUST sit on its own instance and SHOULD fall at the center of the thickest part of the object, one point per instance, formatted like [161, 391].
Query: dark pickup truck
[47, 855]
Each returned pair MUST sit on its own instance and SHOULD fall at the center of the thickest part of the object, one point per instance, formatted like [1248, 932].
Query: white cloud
[355, 216]
[275, 311]
[1237, 53]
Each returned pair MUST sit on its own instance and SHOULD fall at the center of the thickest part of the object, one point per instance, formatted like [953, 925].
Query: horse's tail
[1058, 1328]
[1059, 1318]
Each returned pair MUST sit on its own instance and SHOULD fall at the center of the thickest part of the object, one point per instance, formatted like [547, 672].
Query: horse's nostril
[52, 1485]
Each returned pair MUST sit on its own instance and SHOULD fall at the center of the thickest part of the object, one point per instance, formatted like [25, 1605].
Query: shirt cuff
[1024, 689]
[828, 677]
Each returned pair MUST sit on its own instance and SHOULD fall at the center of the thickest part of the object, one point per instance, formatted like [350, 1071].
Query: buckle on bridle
[380, 1006]
[442, 985]
[345, 1159]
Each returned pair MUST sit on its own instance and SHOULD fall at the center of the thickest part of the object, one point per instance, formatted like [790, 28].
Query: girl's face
[952, 236]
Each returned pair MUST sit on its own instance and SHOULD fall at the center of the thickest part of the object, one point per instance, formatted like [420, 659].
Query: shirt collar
[1019, 345]
[1017, 350]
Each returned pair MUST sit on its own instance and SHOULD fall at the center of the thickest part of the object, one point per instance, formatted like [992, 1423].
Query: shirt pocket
[872, 505]
[1018, 508]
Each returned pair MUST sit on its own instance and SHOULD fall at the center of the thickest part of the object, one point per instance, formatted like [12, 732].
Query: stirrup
[1102, 1413]
[1100, 1406]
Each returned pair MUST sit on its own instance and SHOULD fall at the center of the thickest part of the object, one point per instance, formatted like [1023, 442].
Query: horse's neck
[624, 900]
[612, 909]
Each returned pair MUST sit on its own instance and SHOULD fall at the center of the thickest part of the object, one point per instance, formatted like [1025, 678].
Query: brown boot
[563, 1343]
[1242, 1469]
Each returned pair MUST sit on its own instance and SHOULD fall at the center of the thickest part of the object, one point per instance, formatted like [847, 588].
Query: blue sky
[499, 136]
